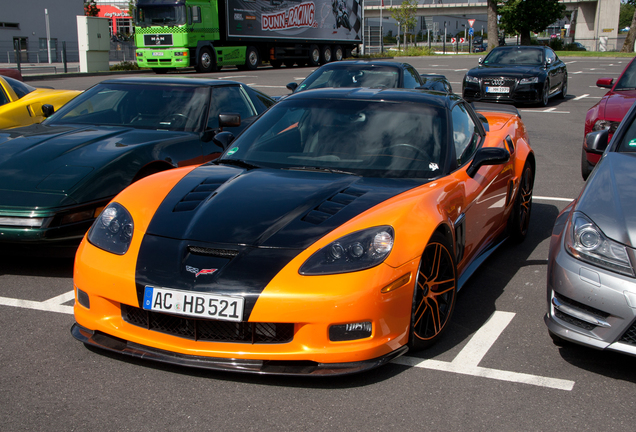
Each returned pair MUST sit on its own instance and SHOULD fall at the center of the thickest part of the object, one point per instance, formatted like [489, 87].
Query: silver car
[591, 267]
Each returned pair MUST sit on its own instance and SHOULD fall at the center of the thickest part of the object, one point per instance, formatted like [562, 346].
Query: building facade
[23, 28]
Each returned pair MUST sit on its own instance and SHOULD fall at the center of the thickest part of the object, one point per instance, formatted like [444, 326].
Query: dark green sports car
[56, 177]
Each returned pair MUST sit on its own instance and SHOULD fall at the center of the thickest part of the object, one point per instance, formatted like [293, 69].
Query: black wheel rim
[525, 200]
[435, 292]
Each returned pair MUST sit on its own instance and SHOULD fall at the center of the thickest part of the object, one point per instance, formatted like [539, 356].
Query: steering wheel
[178, 118]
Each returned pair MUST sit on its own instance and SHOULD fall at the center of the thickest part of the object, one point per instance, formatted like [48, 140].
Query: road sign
[453, 41]
[471, 22]
[471, 31]
[462, 40]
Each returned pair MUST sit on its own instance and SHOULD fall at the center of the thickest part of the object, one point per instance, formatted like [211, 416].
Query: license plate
[194, 304]
[497, 89]
[157, 54]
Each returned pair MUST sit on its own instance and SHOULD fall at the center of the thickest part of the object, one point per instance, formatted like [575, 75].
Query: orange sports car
[331, 236]
[21, 104]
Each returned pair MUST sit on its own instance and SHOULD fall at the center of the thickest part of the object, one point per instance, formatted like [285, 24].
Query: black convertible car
[517, 74]
[56, 177]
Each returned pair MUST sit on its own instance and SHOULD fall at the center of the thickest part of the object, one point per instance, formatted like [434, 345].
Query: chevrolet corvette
[330, 237]
[57, 176]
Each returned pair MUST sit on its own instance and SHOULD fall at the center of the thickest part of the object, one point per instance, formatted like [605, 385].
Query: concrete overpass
[591, 18]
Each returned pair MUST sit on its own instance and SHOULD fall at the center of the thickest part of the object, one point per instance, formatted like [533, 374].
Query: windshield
[628, 80]
[368, 76]
[160, 15]
[138, 105]
[371, 139]
[515, 56]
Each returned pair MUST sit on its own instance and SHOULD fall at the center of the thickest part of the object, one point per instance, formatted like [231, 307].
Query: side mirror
[292, 86]
[223, 139]
[605, 82]
[481, 60]
[487, 156]
[48, 110]
[597, 141]
[229, 120]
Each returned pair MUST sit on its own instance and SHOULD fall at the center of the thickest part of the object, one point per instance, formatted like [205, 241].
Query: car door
[555, 69]
[484, 194]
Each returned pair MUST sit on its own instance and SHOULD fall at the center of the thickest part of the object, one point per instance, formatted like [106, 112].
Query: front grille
[630, 335]
[209, 330]
[500, 82]
[213, 252]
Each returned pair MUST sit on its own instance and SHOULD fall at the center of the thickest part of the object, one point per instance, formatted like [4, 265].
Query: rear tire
[325, 54]
[252, 59]
[522, 208]
[337, 53]
[314, 56]
[434, 293]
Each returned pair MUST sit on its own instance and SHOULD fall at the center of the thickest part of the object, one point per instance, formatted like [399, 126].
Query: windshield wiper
[318, 169]
[236, 162]
[625, 88]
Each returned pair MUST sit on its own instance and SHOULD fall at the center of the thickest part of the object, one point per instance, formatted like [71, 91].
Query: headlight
[357, 251]
[471, 79]
[605, 124]
[532, 80]
[112, 230]
[585, 241]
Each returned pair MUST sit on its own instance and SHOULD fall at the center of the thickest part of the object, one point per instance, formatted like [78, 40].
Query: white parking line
[551, 199]
[47, 305]
[547, 110]
[466, 361]
[581, 97]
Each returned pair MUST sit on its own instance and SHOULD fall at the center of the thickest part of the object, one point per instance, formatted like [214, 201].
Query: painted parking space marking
[55, 304]
[551, 199]
[466, 362]
[581, 97]
[547, 110]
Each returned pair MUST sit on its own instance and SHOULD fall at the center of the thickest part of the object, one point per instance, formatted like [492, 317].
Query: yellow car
[21, 104]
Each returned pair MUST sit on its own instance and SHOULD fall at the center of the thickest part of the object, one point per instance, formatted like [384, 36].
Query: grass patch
[125, 65]
[594, 54]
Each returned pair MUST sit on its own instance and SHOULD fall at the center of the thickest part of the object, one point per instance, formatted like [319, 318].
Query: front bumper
[588, 305]
[525, 93]
[163, 58]
[265, 367]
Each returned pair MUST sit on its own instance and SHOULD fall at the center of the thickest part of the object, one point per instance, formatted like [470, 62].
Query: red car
[609, 111]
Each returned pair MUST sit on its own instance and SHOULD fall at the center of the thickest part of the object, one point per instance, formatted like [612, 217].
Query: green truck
[210, 34]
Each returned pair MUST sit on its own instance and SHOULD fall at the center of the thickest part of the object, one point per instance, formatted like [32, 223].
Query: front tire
[522, 208]
[545, 95]
[205, 61]
[434, 294]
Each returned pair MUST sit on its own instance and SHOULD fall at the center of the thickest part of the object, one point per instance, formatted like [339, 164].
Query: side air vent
[201, 193]
[217, 253]
[333, 205]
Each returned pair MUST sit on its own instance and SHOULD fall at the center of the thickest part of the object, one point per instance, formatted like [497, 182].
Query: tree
[628, 45]
[525, 16]
[405, 15]
[90, 8]
[626, 15]
[493, 30]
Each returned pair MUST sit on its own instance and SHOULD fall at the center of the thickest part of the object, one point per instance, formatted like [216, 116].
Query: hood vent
[333, 205]
[213, 252]
[201, 193]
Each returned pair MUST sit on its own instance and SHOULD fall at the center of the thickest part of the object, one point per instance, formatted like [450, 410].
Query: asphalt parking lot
[495, 369]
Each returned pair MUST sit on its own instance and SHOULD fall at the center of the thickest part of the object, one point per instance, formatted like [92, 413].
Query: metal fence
[119, 51]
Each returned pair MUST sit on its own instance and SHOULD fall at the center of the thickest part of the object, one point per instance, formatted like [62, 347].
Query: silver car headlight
[356, 251]
[586, 242]
[471, 79]
[112, 231]
[533, 80]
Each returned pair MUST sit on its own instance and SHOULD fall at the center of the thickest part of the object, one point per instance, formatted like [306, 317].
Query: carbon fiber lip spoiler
[263, 367]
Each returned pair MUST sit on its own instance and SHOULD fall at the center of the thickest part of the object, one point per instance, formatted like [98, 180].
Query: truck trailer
[210, 34]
